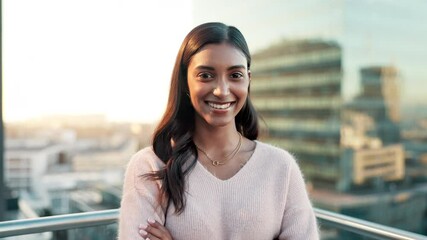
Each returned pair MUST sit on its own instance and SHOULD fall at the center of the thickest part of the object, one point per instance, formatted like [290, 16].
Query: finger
[145, 235]
[142, 231]
[153, 238]
[148, 231]
[154, 229]
[157, 230]
[145, 231]
[157, 225]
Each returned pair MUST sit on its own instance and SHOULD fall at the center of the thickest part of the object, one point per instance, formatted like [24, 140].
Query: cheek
[196, 95]
[194, 101]
[192, 88]
[243, 91]
[199, 90]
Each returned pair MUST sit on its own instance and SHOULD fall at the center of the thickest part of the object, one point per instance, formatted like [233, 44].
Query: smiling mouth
[220, 106]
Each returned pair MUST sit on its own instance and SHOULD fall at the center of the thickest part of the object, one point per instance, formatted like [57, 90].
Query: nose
[222, 88]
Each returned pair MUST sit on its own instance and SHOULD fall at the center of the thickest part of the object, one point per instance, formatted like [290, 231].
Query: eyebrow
[204, 67]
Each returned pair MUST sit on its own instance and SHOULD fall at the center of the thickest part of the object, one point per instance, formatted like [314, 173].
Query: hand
[154, 231]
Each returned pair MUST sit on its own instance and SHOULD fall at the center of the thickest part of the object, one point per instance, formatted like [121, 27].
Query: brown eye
[205, 75]
[237, 75]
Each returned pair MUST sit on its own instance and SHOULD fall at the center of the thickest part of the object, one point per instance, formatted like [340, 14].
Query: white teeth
[219, 106]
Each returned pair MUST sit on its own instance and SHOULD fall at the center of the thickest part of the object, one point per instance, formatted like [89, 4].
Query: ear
[249, 75]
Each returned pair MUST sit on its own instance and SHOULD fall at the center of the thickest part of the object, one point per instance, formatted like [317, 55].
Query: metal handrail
[78, 220]
[59, 222]
[365, 228]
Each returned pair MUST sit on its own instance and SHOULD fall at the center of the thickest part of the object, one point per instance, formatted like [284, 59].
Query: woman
[206, 176]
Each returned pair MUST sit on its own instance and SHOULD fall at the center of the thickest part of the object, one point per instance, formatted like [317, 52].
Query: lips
[220, 106]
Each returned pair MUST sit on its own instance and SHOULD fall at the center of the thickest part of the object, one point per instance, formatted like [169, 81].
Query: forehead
[217, 56]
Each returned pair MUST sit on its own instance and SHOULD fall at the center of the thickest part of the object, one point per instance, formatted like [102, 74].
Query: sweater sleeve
[299, 221]
[140, 196]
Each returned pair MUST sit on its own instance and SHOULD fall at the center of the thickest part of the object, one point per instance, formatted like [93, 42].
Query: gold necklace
[216, 163]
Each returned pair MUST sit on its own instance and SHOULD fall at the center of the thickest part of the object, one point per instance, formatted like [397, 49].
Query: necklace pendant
[217, 163]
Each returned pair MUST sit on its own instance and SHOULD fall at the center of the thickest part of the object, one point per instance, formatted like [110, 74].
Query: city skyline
[55, 63]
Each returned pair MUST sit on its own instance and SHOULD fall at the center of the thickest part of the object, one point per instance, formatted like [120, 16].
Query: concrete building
[380, 99]
[296, 87]
[27, 160]
[414, 137]
[379, 103]
[107, 156]
[387, 163]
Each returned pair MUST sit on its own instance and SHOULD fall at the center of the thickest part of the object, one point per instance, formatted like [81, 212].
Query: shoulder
[275, 159]
[275, 154]
[145, 160]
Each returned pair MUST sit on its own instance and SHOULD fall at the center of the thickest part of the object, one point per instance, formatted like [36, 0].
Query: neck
[218, 139]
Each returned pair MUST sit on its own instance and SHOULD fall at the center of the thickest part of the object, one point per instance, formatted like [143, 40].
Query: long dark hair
[173, 137]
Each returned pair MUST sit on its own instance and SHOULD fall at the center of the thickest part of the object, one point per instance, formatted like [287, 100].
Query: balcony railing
[89, 219]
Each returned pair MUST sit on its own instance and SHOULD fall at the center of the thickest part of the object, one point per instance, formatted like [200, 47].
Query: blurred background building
[73, 164]
[296, 87]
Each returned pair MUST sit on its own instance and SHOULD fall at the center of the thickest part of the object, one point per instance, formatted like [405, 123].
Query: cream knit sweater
[266, 199]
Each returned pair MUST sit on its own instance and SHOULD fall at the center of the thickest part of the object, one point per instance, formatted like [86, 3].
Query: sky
[107, 57]
[115, 57]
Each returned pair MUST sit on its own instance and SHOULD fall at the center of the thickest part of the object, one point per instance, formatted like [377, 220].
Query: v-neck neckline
[241, 171]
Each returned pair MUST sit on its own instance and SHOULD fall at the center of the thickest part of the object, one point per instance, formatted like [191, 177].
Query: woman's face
[218, 81]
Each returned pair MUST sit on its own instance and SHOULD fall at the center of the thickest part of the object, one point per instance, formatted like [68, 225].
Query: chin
[219, 122]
